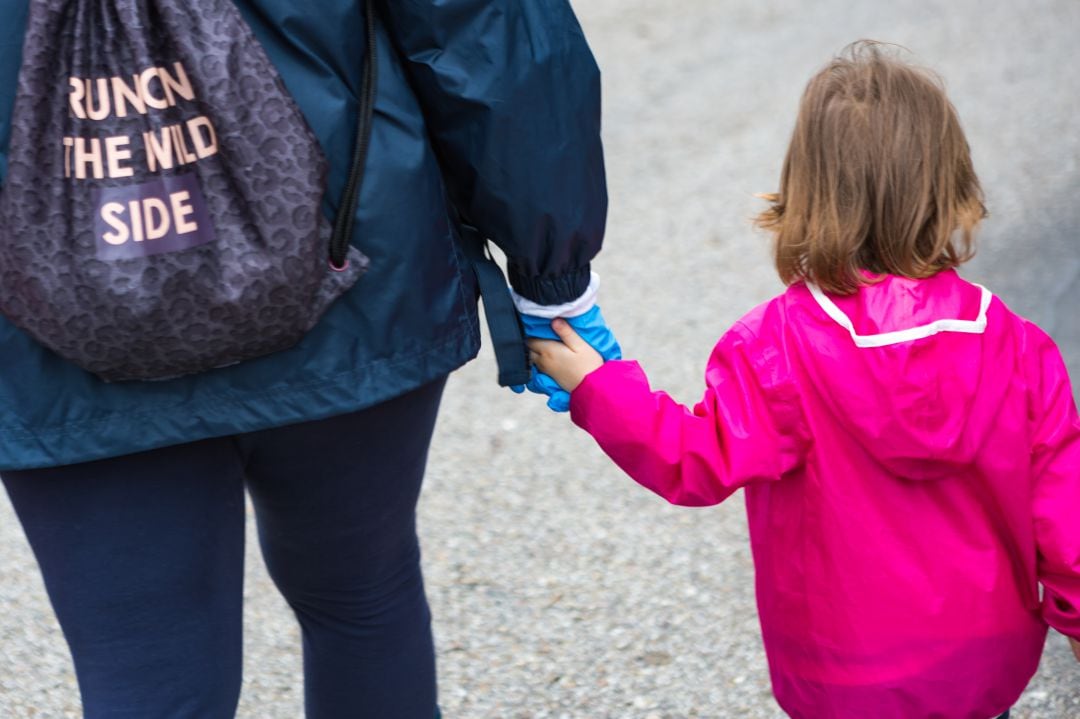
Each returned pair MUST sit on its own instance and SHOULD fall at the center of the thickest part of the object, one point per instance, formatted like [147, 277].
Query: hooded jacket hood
[915, 363]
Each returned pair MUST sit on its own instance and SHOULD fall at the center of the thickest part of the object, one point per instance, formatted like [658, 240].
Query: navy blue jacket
[488, 110]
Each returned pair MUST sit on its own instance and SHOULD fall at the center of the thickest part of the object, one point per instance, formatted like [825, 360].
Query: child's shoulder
[771, 315]
[1019, 328]
[759, 334]
[756, 343]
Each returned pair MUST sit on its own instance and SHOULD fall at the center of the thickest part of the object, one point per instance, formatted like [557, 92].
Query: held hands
[589, 327]
[568, 361]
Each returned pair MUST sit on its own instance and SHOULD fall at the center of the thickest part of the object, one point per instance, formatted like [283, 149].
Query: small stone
[656, 659]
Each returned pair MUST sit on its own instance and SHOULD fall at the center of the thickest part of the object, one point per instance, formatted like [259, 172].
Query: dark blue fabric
[493, 104]
[507, 338]
[143, 555]
[502, 70]
[11, 37]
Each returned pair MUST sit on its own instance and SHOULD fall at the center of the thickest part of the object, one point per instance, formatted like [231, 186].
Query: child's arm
[748, 427]
[1056, 466]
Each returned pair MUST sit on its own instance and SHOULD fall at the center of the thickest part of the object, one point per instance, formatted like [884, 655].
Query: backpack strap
[343, 223]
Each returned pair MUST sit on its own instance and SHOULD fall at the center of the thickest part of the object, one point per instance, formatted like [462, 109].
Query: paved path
[559, 588]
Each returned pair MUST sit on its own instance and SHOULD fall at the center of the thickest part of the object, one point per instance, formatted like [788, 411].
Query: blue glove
[591, 327]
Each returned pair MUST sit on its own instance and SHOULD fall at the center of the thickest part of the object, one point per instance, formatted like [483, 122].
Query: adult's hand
[591, 327]
[567, 362]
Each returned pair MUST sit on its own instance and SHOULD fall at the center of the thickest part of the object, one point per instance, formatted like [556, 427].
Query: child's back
[909, 447]
[927, 453]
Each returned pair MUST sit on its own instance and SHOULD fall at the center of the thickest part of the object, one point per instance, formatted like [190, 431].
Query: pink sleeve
[1056, 468]
[747, 428]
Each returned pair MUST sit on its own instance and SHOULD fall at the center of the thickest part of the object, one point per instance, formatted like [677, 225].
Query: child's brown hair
[878, 176]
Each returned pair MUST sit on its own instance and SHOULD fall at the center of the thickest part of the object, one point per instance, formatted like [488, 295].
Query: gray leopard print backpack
[161, 214]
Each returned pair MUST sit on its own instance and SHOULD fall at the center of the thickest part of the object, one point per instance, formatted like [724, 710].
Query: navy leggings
[142, 557]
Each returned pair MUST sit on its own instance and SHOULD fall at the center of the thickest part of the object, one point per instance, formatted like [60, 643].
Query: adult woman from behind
[132, 493]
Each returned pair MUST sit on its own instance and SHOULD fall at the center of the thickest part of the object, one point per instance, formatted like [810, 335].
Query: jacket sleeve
[511, 95]
[748, 427]
[1056, 500]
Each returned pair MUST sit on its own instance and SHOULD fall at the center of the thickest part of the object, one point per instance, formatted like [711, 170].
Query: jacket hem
[217, 416]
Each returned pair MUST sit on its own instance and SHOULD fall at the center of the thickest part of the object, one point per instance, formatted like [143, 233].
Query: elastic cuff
[551, 289]
[578, 307]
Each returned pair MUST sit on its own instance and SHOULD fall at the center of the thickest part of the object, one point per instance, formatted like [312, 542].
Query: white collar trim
[976, 326]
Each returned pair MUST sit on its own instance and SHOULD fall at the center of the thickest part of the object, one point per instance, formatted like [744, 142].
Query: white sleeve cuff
[567, 309]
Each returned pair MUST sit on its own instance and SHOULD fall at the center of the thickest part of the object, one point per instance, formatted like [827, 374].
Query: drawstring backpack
[161, 214]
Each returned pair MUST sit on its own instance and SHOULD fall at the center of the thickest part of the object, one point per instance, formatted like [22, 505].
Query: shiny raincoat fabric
[488, 111]
[911, 460]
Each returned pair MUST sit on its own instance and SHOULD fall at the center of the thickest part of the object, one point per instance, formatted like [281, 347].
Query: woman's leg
[335, 502]
[142, 558]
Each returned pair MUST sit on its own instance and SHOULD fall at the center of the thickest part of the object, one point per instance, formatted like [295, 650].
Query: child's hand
[1075, 647]
[566, 362]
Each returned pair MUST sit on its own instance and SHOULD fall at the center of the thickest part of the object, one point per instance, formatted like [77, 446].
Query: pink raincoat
[911, 459]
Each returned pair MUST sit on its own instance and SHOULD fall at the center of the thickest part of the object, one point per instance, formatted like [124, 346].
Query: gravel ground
[561, 589]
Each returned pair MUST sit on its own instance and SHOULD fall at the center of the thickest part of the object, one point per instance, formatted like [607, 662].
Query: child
[910, 448]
